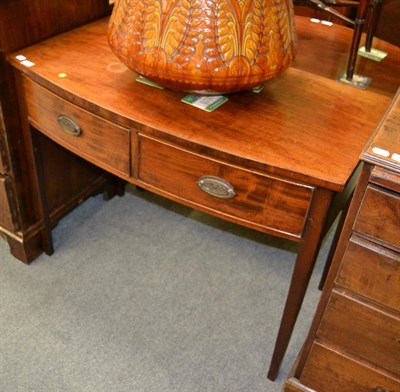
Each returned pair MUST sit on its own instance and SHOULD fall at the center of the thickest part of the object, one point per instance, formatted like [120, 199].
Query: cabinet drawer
[259, 201]
[99, 141]
[385, 178]
[293, 385]
[371, 271]
[379, 215]
[6, 219]
[329, 371]
[359, 329]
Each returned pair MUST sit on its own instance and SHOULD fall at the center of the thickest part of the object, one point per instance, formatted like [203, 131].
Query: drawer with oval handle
[379, 216]
[371, 271]
[327, 370]
[256, 200]
[360, 328]
[87, 135]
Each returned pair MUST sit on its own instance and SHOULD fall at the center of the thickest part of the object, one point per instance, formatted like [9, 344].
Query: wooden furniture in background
[69, 179]
[307, 8]
[374, 17]
[354, 341]
[280, 157]
[387, 27]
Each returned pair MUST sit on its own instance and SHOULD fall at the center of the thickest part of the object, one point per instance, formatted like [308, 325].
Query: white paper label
[396, 157]
[380, 151]
[27, 63]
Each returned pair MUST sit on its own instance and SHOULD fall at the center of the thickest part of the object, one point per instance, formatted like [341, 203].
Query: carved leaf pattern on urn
[215, 45]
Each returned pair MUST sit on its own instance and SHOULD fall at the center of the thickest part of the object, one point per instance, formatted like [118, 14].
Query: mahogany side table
[280, 161]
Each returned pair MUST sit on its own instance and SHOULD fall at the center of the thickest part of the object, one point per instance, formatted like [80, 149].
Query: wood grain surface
[304, 124]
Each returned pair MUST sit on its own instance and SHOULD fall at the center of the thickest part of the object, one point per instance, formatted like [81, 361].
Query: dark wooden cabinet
[354, 341]
[69, 179]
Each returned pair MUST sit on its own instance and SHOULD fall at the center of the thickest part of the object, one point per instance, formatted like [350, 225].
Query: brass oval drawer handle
[216, 187]
[68, 125]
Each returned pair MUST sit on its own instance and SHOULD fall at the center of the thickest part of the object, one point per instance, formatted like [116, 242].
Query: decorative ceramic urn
[208, 46]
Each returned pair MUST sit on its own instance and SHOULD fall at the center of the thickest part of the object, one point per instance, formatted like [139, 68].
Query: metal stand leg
[358, 29]
[349, 77]
[376, 9]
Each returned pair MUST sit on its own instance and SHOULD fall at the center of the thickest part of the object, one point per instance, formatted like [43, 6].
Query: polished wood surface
[258, 199]
[302, 136]
[298, 146]
[366, 269]
[378, 202]
[331, 370]
[388, 139]
[111, 153]
[25, 22]
[361, 329]
[389, 179]
[324, 50]
[353, 340]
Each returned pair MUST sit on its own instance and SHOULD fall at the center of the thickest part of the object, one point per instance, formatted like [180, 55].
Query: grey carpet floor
[145, 295]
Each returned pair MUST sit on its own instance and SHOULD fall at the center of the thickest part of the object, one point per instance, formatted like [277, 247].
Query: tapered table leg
[304, 265]
[44, 211]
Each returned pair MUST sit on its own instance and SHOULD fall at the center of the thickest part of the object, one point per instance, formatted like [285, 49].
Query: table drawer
[379, 215]
[327, 370]
[366, 269]
[359, 329]
[96, 139]
[259, 201]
